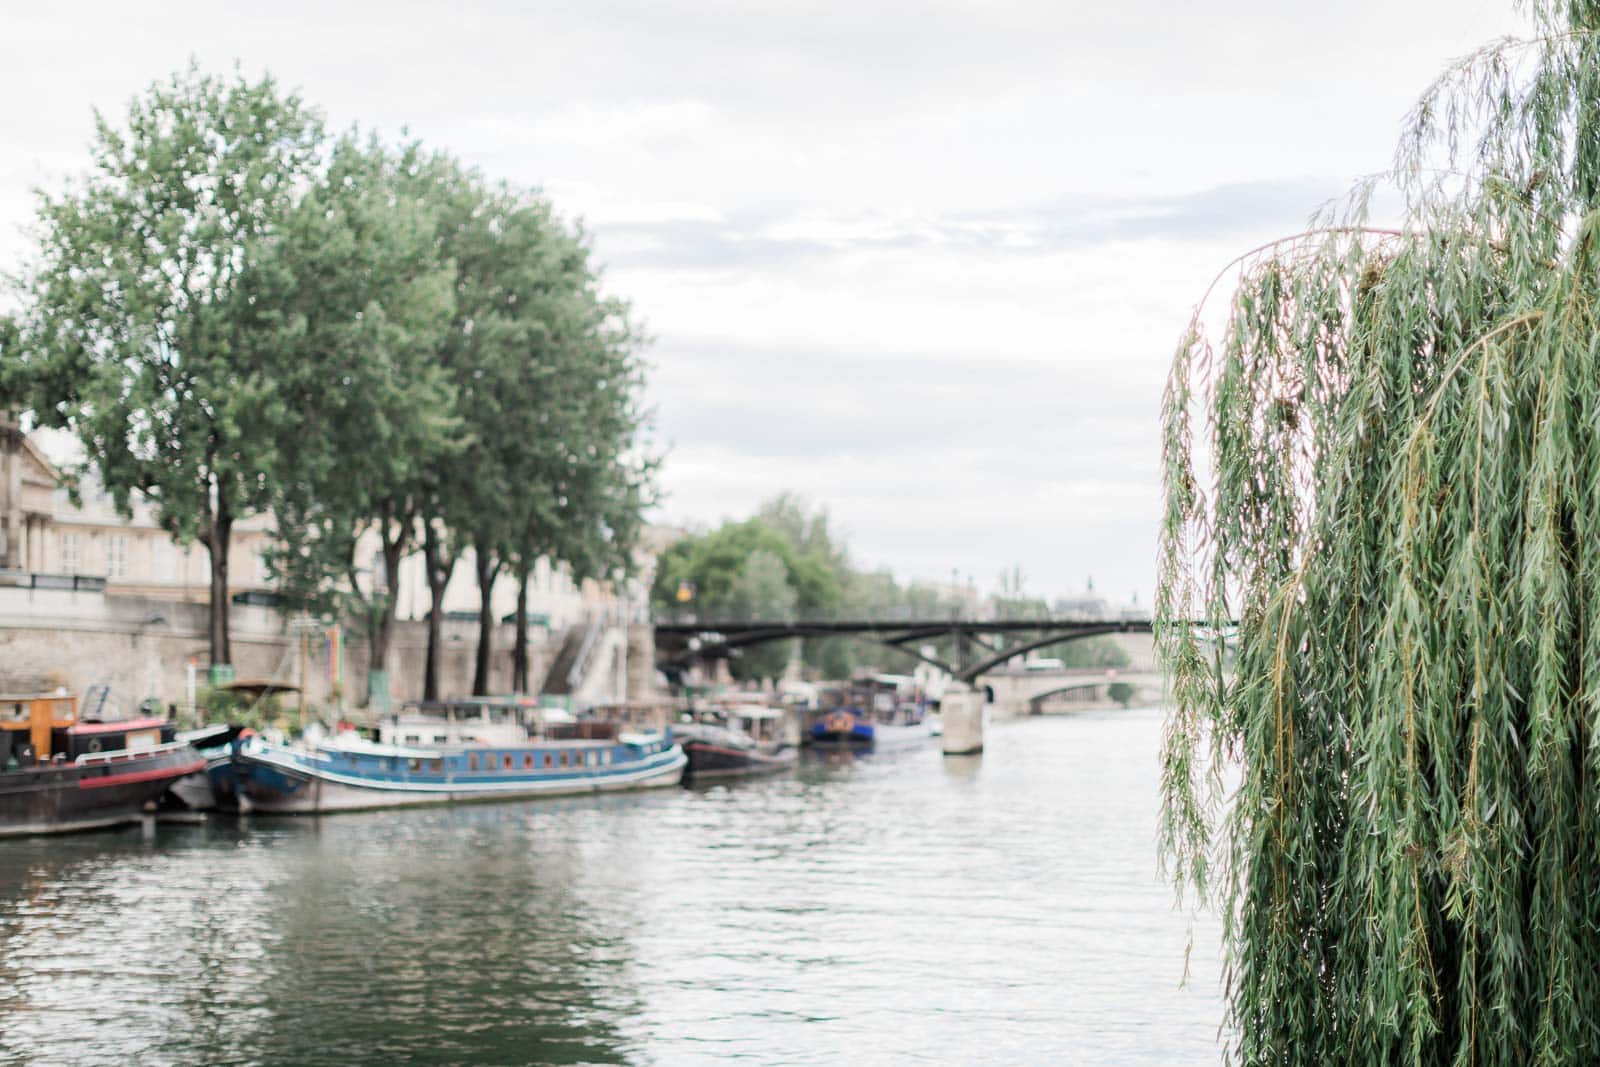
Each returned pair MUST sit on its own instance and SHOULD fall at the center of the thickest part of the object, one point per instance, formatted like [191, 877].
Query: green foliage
[1397, 498]
[351, 303]
[136, 329]
[712, 563]
[234, 314]
[1089, 653]
[548, 376]
[1121, 692]
[762, 590]
[242, 709]
[12, 388]
[136, 333]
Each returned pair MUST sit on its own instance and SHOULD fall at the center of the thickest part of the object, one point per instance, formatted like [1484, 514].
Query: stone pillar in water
[962, 712]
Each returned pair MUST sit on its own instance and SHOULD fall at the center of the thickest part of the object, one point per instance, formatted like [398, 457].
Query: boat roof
[755, 711]
[116, 727]
[347, 742]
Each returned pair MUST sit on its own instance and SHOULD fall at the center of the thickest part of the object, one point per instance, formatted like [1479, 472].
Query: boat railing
[90, 759]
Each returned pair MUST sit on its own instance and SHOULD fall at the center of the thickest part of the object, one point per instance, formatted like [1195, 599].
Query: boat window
[414, 765]
[440, 739]
[563, 759]
[549, 760]
[472, 761]
[436, 766]
[527, 761]
[605, 757]
[508, 761]
[588, 758]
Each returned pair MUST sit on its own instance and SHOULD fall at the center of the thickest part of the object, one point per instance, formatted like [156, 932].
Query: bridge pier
[962, 711]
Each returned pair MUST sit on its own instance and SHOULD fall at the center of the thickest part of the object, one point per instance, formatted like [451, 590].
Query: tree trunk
[387, 605]
[218, 540]
[439, 566]
[519, 654]
[488, 570]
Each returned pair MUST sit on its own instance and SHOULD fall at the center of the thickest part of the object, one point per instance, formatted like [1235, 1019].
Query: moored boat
[843, 726]
[464, 751]
[59, 774]
[193, 792]
[735, 742]
[872, 727]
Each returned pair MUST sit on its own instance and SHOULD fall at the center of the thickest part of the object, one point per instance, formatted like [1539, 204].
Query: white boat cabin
[463, 723]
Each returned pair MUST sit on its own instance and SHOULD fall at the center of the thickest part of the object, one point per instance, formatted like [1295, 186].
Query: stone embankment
[144, 648]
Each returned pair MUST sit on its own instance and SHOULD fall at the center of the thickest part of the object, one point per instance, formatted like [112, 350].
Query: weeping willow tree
[1380, 596]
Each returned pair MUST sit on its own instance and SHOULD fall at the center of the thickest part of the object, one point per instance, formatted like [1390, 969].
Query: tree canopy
[235, 314]
[1386, 471]
[351, 304]
[133, 325]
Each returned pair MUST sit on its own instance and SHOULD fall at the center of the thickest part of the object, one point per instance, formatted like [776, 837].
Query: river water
[897, 908]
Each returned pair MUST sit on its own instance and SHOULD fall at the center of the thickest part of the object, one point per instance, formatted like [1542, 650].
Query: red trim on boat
[117, 727]
[129, 777]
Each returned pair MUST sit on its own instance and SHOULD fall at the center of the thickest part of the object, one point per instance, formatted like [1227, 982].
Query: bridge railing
[711, 621]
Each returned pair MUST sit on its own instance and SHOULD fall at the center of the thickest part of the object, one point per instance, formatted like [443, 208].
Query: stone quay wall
[143, 648]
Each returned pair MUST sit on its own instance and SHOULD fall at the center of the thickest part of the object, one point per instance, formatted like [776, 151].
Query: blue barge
[462, 751]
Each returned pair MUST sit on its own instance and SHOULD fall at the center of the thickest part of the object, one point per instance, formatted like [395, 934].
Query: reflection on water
[898, 908]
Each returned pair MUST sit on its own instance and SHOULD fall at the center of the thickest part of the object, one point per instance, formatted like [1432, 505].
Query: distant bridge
[1025, 692]
[680, 644]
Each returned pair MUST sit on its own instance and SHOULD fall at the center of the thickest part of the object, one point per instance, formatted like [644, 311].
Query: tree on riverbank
[373, 344]
[134, 327]
[1397, 500]
[349, 305]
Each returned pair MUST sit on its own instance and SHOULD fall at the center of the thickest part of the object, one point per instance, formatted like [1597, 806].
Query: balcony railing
[80, 583]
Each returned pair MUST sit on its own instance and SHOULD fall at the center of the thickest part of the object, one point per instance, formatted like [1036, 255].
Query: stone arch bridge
[1024, 692]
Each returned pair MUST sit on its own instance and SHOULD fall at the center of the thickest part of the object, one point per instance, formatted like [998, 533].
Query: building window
[70, 549]
[117, 556]
[166, 561]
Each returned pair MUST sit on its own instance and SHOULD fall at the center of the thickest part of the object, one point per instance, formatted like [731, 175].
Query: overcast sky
[923, 263]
